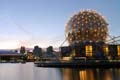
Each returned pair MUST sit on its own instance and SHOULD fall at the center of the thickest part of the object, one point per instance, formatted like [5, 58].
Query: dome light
[87, 25]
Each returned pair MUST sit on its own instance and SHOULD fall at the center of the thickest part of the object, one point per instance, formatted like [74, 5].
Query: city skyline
[42, 22]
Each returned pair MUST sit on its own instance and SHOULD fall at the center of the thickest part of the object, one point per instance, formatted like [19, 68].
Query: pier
[85, 55]
[81, 65]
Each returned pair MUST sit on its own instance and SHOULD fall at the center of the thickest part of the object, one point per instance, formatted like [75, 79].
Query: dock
[80, 65]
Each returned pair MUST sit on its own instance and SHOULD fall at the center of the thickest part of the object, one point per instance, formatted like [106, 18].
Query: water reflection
[47, 74]
[91, 74]
[30, 72]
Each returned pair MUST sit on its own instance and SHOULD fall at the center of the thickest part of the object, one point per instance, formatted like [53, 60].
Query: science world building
[87, 34]
[86, 26]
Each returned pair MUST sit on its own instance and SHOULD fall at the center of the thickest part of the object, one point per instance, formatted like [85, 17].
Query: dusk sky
[42, 22]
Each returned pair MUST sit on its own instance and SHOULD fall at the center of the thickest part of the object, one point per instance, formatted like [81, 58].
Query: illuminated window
[118, 48]
[102, 30]
[88, 50]
[106, 50]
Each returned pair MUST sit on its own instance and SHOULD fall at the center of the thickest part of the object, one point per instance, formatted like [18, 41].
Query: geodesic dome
[87, 25]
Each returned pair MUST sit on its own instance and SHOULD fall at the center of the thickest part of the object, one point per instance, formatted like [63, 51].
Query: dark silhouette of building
[10, 55]
[37, 51]
[50, 50]
[22, 50]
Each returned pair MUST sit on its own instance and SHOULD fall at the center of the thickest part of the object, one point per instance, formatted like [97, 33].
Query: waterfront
[28, 71]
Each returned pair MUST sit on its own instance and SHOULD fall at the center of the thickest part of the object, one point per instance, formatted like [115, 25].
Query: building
[10, 55]
[87, 33]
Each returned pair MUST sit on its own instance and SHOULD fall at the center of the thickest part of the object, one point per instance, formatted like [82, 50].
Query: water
[29, 72]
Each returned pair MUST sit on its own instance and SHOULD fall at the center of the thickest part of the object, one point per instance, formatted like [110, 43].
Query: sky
[42, 22]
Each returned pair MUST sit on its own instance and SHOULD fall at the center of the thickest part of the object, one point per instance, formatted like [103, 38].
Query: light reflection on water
[29, 72]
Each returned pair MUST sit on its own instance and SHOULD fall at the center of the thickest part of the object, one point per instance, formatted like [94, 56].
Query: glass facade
[89, 50]
[106, 50]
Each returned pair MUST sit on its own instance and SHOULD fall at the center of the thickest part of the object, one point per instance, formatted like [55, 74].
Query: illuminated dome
[86, 26]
